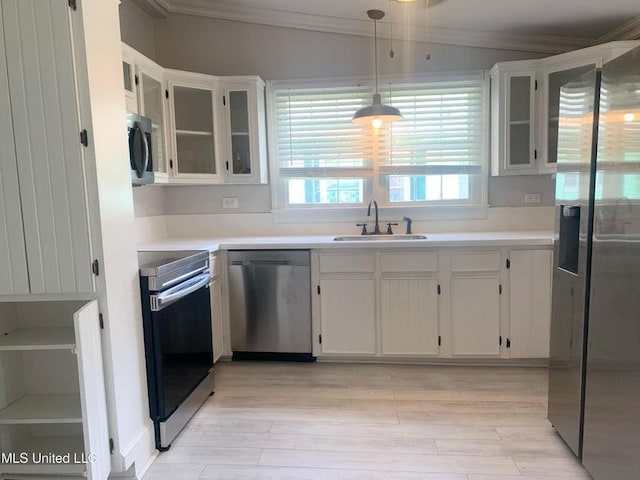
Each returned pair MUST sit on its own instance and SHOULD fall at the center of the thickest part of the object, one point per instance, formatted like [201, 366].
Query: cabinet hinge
[84, 137]
[319, 338]
[95, 267]
[73, 4]
[136, 80]
[508, 343]
[500, 340]
[111, 446]
[166, 94]
[500, 289]
[508, 262]
[439, 290]
[224, 100]
[318, 289]
[101, 319]
[439, 340]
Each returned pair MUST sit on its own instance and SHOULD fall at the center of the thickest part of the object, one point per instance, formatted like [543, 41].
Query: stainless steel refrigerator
[594, 375]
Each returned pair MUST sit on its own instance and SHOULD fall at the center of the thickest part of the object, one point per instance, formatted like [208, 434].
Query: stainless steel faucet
[376, 229]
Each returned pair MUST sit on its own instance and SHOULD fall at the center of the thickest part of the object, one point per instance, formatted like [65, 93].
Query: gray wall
[221, 47]
[137, 29]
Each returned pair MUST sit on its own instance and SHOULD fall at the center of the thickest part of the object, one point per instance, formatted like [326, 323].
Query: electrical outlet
[230, 202]
[533, 198]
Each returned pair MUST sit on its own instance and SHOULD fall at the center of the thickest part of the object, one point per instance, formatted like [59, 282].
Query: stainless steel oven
[176, 314]
[140, 149]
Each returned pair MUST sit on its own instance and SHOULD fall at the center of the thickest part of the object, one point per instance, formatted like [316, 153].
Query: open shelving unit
[50, 377]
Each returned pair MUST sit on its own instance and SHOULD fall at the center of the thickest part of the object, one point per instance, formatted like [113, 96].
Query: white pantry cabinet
[52, 392]
[44, 218]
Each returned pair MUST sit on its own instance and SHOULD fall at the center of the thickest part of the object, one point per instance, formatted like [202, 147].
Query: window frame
[376, 185]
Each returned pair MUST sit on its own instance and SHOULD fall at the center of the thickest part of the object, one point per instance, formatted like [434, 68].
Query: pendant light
[376, 114]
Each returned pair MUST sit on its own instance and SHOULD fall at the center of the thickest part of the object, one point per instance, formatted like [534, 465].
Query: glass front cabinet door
[194, 157]
[554, 79]
[513, 116]
[153, 104]
[245, 154]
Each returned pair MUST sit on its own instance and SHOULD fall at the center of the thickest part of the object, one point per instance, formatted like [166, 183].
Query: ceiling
[552, 25]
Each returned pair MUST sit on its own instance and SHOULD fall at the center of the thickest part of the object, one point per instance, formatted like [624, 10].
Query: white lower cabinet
[217, 307]
[529, 303]
[409, 316]
[453, 303]
[52, 395]
[348, 315]
[475, 315]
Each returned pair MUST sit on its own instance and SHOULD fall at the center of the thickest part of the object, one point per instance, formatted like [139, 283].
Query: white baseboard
[139, 455]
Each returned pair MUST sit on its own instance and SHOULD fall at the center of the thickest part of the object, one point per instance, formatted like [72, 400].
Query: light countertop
[440, 240]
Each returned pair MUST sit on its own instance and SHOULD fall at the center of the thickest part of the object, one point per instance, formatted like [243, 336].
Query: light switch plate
[533, 198]
[230, 202]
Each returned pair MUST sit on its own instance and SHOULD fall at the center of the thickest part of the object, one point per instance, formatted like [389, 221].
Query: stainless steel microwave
[140, 149]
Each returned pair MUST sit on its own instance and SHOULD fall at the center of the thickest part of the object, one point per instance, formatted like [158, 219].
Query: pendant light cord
[375, 50]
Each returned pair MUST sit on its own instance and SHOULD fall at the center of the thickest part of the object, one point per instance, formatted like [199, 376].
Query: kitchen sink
[358, 238]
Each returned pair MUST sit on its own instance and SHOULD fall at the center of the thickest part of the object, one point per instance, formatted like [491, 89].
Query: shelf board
[240, 134]
[32, 445]
[38, 339]
[194, 133]
[34, 409]
[520, 122]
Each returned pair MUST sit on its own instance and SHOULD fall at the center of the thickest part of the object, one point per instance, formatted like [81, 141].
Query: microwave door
[139, 149]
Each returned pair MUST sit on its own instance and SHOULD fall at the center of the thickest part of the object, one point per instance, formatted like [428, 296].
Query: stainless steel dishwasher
[270, 304]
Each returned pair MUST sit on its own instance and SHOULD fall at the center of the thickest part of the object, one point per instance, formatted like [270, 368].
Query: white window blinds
[443, 131]
[314, 134]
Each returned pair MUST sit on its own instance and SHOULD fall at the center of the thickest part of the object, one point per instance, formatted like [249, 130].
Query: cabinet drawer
[475, 262]
[345, 263]
[409, 262]
[214, 265]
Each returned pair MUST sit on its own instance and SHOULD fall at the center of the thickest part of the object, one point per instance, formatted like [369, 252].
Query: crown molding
[627, 31]
[448, 36]
[153, 8]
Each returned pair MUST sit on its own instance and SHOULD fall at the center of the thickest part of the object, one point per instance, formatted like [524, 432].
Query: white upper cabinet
[48, 153]
[195, 128]
[245, 120]
[206, 129]
[525, 104]
[513, 114]
[146, 94]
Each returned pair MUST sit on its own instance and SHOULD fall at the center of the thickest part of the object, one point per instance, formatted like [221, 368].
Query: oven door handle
[166, 298]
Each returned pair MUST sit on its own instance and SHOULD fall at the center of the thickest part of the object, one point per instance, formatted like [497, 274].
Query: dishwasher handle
[268, 263]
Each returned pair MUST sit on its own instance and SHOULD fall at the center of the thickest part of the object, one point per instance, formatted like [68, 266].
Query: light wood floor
[283, 421]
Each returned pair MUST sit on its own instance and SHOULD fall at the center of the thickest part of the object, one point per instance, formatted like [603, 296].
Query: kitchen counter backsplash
[500, 219]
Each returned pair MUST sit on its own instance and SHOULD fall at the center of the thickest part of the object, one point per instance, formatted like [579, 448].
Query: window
[436, 156]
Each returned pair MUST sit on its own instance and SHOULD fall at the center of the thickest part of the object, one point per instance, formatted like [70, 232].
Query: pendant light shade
[376, 114]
